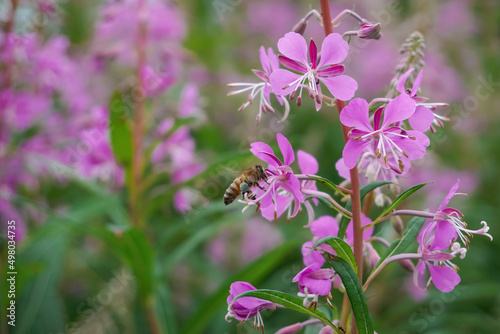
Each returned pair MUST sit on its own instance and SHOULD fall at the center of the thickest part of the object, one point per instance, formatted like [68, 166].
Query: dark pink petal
[448, 197]
[326, 273]
[292, 64]
[354, 133]
[307, 163]
[314, 258]
[264, 60]
[258, 148]
[420, 277]
[415, 148]
[333, 50]
[438, 256]
[283, 82]
[400, 87]
[331, 71]
[286, 149]
[444, 235]
[422, 119]
[399, 109]
[294, 46]
[452, 211]
[261, 74]
[272, 157]
[352, 151]
[444, 278]
[417, 83]
[313, 53]
[324, 226]
[376, 118]
[355, 115]
[273, 60]
[318, 102]
[342, 87]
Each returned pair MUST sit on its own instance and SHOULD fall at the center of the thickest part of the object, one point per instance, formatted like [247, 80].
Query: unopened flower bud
[370, 31]
[407, 264]
[397, 223]
[300, 27]
[290, 329]
[299, 101]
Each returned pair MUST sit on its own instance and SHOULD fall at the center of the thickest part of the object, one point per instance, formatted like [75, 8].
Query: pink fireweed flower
[314, 282]
[308, 165]
[262, 90]
[246, 308]
[423, 116]
[393, 146]
[280, 177]
[448, 224]
[325, 69]
[443, 273]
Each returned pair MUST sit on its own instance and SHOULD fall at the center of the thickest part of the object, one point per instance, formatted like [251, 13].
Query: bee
[242, 184]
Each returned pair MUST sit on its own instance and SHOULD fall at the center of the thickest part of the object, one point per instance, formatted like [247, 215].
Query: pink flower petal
[399, 109]
[342, 169]
[355, 115]
[448, 197]
[292, 185]
[292, 64]
[352, 151]
[422, 119]
[417, 83]
[258, 149]
[415, 148]
[281, 81]
[420, 278]
[282, 203]
[444, 235]
[264, 60]
[333, 50]
[444, 278]
[286, 149]
[342, 87]
[324, 226]
[273, 60]
[314, 258]
[307, 163]
[400, 87]
[294, 46]
[366, 234]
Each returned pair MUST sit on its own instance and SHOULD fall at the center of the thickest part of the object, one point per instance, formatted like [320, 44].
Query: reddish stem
[355, 195]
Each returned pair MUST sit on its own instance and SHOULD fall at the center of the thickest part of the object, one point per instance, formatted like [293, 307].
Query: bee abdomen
[232, 191]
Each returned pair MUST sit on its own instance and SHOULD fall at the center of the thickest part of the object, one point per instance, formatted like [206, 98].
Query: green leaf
[254, 273]
[341, 247]
[288, 301]
[400, 199]
[398, 246]
[119, 129]
[354, 292]
[363, 192]
[327, 182]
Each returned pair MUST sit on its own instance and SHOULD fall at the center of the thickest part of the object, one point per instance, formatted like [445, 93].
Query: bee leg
[258, 185]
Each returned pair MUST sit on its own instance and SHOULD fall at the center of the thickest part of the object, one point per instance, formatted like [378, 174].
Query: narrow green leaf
[400, 199]
[119, 130]
[327, 182]
[398, 246]
[341, 247]
[288, 301]
[254, 273]
[354, 292]
[363, 192]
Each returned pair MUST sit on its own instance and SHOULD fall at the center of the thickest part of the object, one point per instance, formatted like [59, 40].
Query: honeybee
[242, 184]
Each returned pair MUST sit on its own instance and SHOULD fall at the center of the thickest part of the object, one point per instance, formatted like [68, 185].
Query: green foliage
[342, 248]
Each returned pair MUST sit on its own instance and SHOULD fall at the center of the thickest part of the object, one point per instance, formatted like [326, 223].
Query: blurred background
[106, 244]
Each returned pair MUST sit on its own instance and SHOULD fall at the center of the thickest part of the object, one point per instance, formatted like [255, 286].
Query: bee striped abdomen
[232, 191]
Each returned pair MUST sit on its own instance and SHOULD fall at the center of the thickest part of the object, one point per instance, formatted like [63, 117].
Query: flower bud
[370, 31]
[300, 27]
[397, 223]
